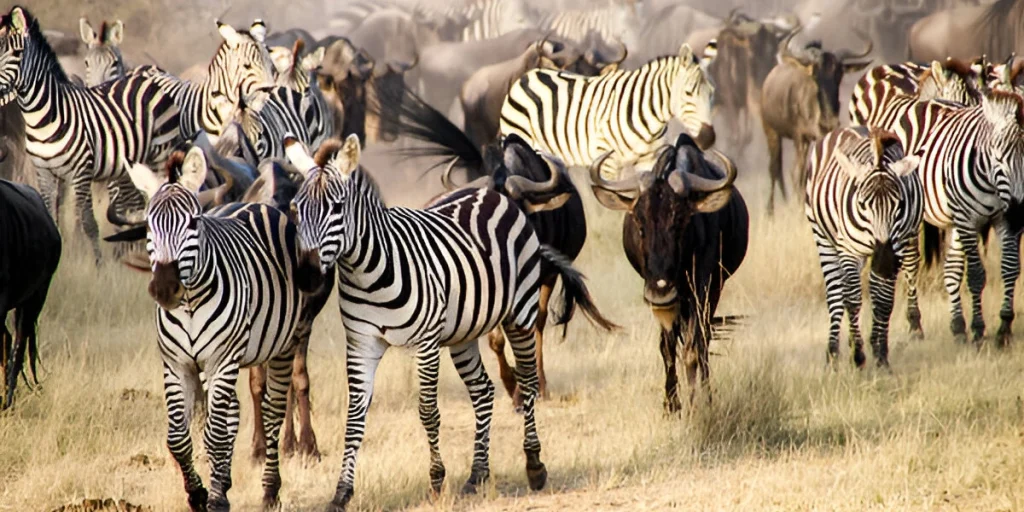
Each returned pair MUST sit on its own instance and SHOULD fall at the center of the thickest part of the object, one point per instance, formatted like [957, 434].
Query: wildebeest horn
[623, 54]
[517, 185]
[846, 54]
[117, 219]
[630, 184]
[446, 176]
[702, 184]
[783, 49]
[215, 196]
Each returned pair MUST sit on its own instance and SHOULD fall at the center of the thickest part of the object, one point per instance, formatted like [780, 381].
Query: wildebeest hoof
[197, 500]
[537, 476]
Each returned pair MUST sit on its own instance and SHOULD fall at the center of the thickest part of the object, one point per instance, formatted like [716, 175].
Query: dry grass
[943, 432]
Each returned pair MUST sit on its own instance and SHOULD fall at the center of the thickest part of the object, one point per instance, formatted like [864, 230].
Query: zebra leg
[48, 187]
[257, 386]
[882, 290]
[1009, 267]
[466, 357]
[668, 358]
[179, 393]
[496, 339]
[220, 432]
[952, 277]
[910, 260]
[852, 298]
[83, 202]
[363, 354]
[521, 339]
[299, 392]
[975, 284]
[428, 364]
[542, 320]
[828, 256]
[279, 376]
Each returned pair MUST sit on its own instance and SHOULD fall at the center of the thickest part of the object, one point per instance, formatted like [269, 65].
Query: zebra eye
[193, 222]
[335, 208]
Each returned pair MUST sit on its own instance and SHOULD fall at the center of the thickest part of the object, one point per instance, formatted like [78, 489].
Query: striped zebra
[617, 22]
[863, 200]
[579, 119]
[487, 19]
[972, 169]
[103, 61]
[240, 65]
[424, 279]
[884, 95]
[268, 114]
[75, 133]
[225, 284]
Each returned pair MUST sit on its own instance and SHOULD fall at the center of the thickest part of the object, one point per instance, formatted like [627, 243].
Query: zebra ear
[297, 154]
[282, 59]
[115, 34]
[229, 34]
[145, 179]
[87, 32]
[685, 54]
[193, 169]
[906, 166]
[346, 159]
[313, 60]
[258, 30]
[19, 20]
[848, 166]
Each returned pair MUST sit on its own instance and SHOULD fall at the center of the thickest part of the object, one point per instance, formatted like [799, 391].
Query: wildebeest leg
[520, 337]
[910, 261]
[257, 385]
[802, 145]
[299, 392]
[6, 347]
[25, 343]
[83, 202]
[952, 277]
[852, 298]
[690, 353]
[279, 375]
[179, 393]
[542, 320]
[497, 342]
[774, 165]
[1009, 268]
[975, 284]
[669, 341]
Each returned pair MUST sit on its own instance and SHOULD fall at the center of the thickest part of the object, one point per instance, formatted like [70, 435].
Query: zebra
[884, 95]
[578, 118]
[617, 22]
[269, 113]
[476, 20]
[240, 65]
[426, 279]
[972, 170]
[864, 199]
[103, 61]
[83, 134]
[227, 287]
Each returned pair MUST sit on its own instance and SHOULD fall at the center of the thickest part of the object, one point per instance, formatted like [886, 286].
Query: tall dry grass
[942, 432]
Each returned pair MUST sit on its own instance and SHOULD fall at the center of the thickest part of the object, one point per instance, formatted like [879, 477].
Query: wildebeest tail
[574, 291]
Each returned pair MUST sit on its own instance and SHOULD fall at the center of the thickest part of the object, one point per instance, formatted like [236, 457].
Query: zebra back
[883, 95]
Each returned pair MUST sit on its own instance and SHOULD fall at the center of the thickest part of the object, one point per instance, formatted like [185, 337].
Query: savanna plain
[942, 431]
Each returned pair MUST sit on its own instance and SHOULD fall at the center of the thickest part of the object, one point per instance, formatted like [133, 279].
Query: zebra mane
[40, 43]
[326, 150]
[102, 35]
[958, 66]
[1010, 97]
[1015, 72]
[173, 165]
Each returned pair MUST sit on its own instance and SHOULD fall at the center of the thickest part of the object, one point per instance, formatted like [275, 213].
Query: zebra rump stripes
[864, 199]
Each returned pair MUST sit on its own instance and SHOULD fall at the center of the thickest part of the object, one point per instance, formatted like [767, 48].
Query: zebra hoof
[960, 338]
[340, 501]
[859, 359]
[219, 504]
[197, 500]
[917, 334]
[475, 480]
[537, 476]
[271, 504]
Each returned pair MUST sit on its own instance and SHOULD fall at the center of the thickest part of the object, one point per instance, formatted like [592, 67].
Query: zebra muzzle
[165, 287]
[309, 276]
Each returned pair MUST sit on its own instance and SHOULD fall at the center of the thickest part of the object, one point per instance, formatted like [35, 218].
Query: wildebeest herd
[248, 190]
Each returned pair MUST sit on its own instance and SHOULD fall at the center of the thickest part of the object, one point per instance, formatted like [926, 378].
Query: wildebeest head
[599, 56]
[826, 68]
[660, 205]
[746, 53]
[103, 60]
[692, 94]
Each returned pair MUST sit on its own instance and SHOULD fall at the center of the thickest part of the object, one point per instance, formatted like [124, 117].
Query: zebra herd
[238, 282]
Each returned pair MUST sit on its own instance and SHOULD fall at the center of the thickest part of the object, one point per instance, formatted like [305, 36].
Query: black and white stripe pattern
[103, 60]
[864, 199]
[972, 169]
[241, 65]
[225, 286]
[268, 115]
[579, 119]
[76, 133]
[884, 95]
[425, 279]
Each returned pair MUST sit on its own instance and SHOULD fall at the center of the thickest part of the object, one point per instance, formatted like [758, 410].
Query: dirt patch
[145, 462]
[136, 395]
[98, 505]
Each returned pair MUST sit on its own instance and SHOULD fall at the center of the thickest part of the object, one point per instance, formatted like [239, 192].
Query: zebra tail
[932, 241]
[574, 291]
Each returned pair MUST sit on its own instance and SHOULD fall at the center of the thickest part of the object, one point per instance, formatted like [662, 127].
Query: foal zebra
[864, 199]
[72, 132]
[225, 283]
[579, 119]
[426, 279]
[103, 61]
[972, 169]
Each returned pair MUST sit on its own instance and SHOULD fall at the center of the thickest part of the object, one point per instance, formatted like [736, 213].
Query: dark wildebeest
[537, 183]
[800, 102]
[30, 252]
[685, 233]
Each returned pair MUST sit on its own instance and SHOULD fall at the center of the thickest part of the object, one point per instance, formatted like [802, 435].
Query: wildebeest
[996, 29]
[685, 233]
[31, 251]
[800, 102]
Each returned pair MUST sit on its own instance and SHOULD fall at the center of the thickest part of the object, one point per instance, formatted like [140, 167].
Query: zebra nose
[705, 137]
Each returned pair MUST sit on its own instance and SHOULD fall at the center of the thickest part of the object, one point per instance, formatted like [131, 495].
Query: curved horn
[702, 184]
[117, 219]
[624, 53]
[845, 54]
[628, 185]
[446, 176]
[783, 50]
[517, 185]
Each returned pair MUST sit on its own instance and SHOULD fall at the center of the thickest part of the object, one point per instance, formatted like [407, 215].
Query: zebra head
[1004, 113]
[15, 31]
[242, 63]
[172, 217]
[952, 81]
[692, 93]
[325, 199]
[878, 175]
[103, 60]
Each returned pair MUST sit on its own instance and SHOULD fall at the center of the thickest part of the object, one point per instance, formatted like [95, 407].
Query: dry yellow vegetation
[942, 432]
